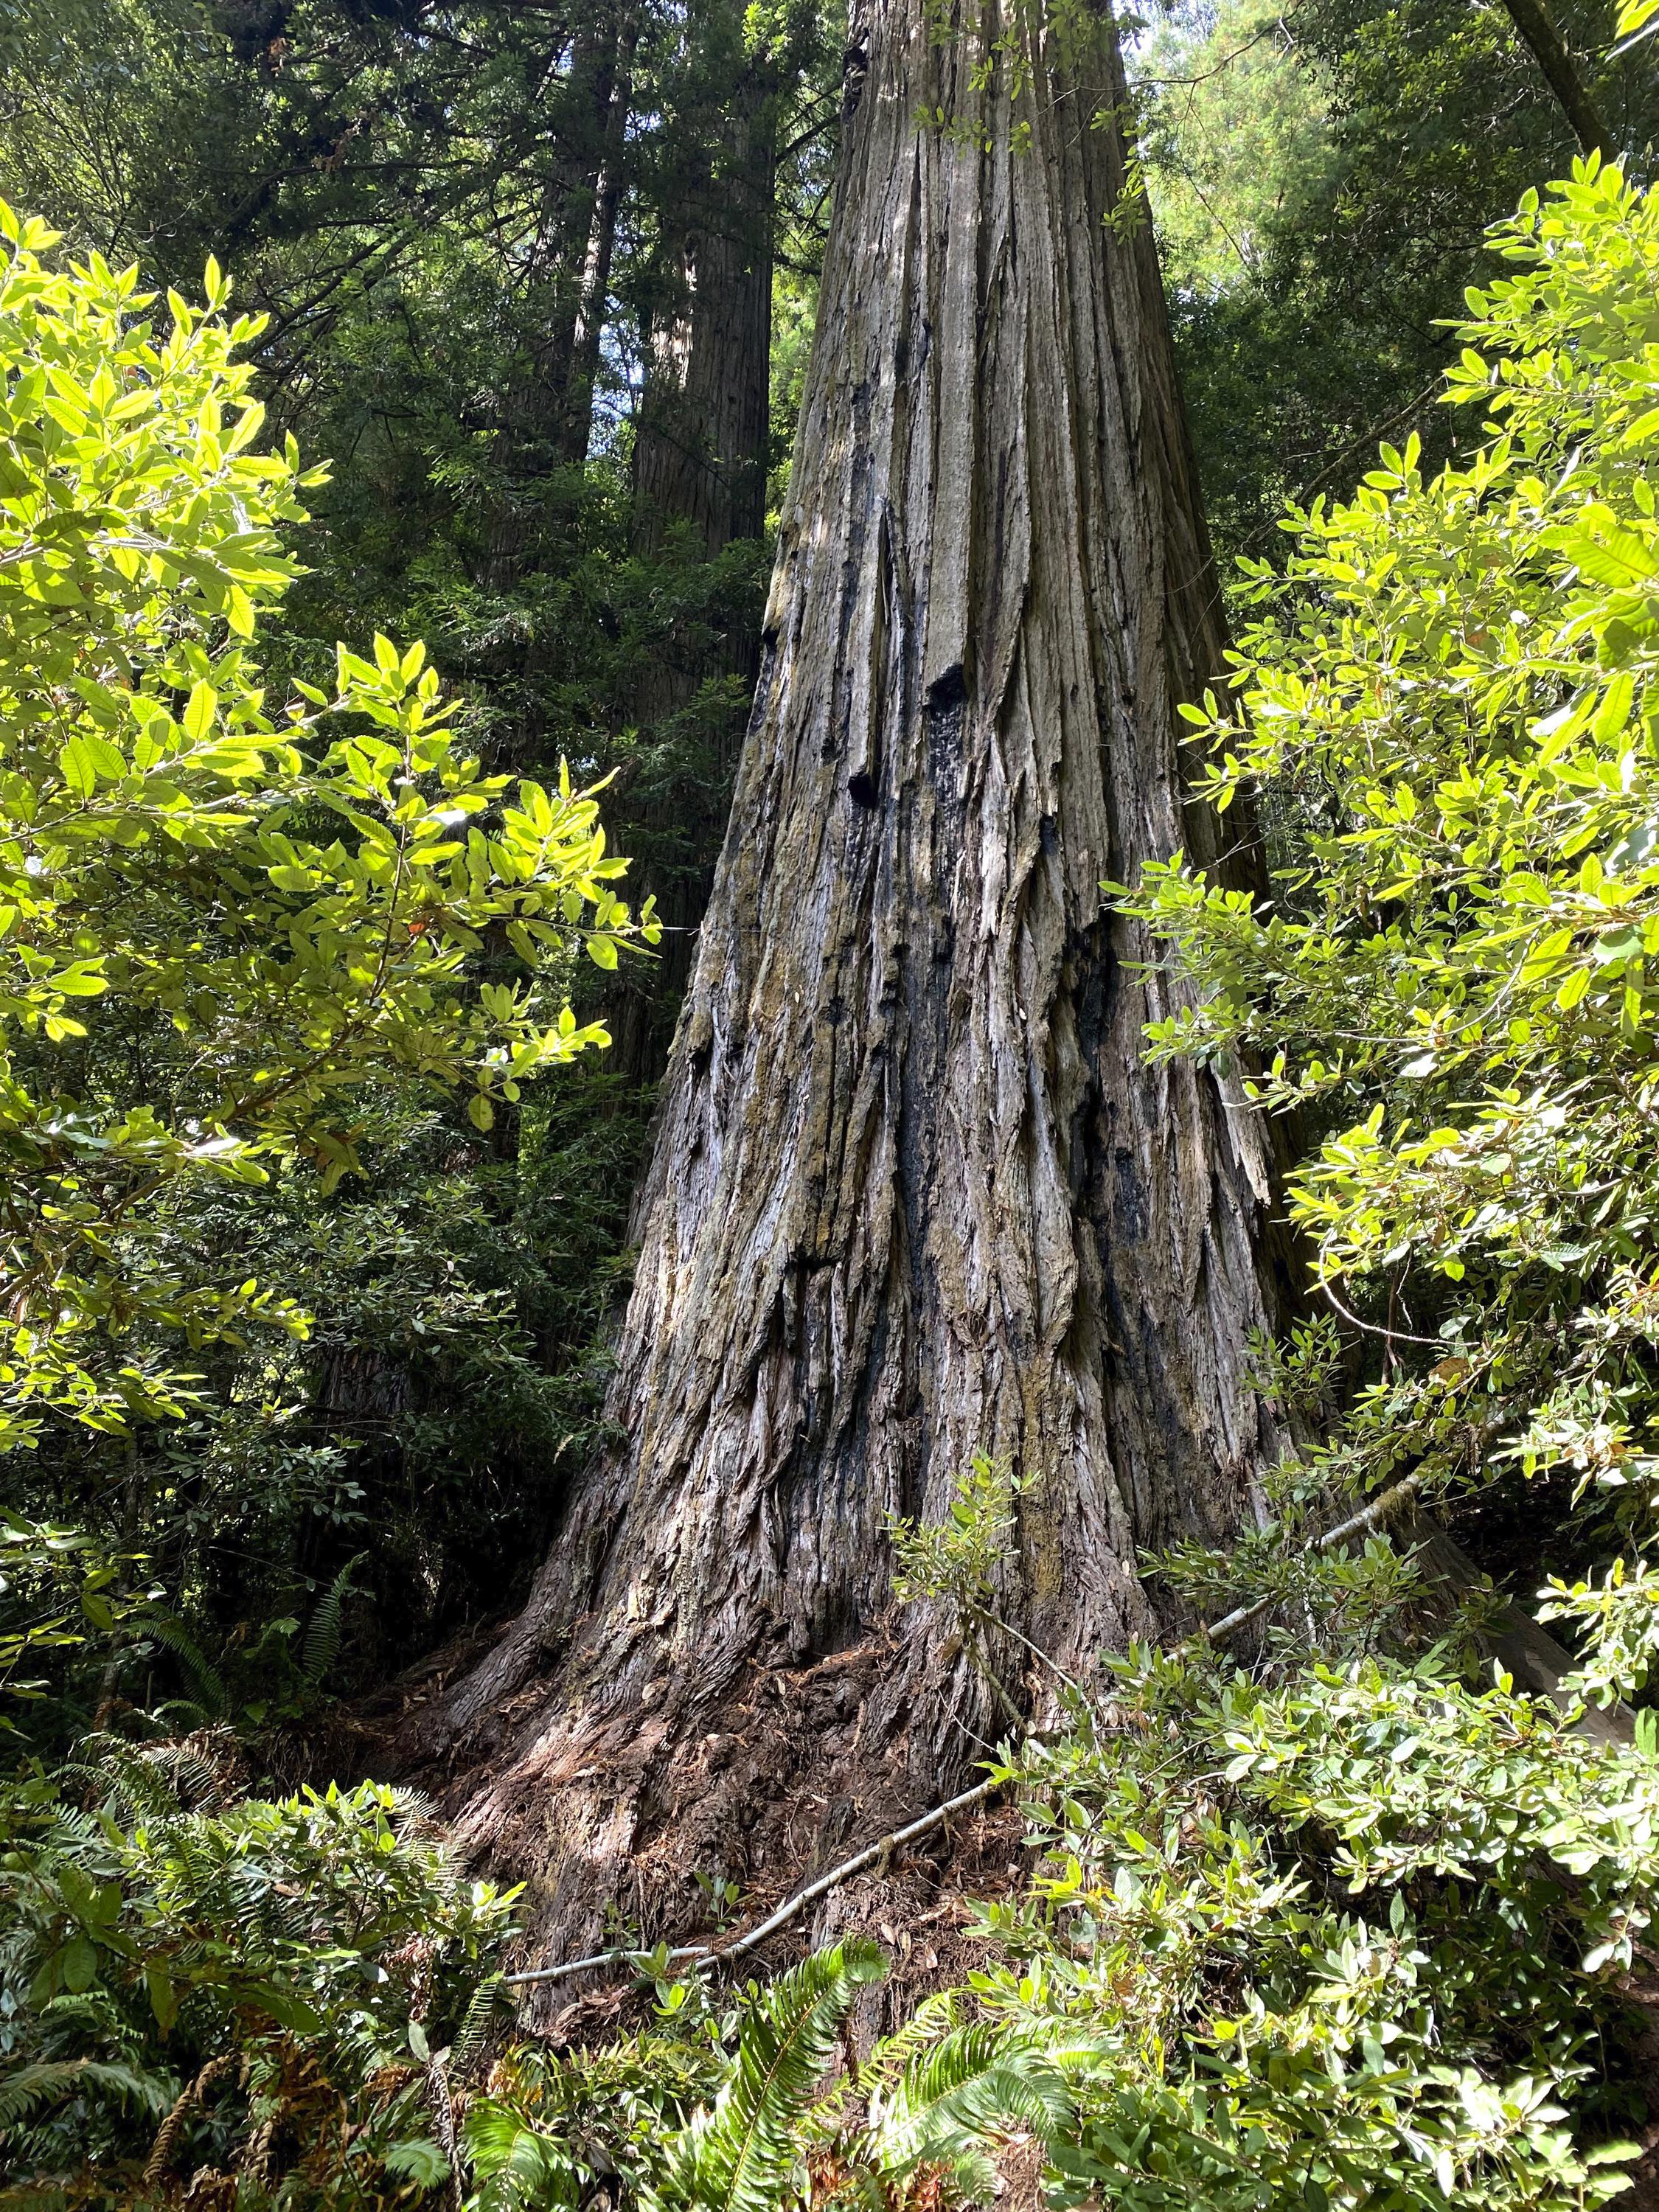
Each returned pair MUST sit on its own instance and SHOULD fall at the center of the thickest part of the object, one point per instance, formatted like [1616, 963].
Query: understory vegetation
[316, 1197]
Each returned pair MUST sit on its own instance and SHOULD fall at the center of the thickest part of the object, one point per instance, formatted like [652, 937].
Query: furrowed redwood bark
[701, 440]
[915, 1193]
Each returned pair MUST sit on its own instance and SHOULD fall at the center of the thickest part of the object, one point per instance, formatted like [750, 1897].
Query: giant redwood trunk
[915, 1195]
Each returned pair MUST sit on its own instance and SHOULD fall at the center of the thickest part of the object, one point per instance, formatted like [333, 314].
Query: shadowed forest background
[1341, 1918]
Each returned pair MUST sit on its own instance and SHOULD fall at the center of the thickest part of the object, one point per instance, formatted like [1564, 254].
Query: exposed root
[642, 1815]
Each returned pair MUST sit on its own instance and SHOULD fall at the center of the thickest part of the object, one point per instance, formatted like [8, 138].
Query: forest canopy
[945, 1487]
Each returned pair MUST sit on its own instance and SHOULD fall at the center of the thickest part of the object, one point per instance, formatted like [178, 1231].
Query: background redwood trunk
[700, 456]
[914, 1194]
[701, 440]
[613, 95]
[547, 418]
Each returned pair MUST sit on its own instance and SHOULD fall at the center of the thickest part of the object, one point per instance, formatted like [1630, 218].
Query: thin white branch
[1387, 1502]
[710, 1954]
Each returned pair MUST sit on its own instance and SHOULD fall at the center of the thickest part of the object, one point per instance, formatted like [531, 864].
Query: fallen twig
[1369, 1516]
[712, 1953]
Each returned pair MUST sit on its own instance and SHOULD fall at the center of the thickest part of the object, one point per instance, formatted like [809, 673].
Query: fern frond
[417, 1819]
[491, 2001]
[322, 1643]
[951, 2101]
[199, 1781]
[49, 2081]
[517, 2167]
[932, 2019]
[187, 1713]
[152, 1780]
[211, 1700]
[738, 2154]
[72, 1832]
[131, 1784]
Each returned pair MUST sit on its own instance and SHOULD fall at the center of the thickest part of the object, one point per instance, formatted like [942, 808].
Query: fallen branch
[712, 1954]
[1387, 1502]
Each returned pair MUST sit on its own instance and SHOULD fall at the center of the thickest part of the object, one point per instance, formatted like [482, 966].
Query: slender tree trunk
[915, 1193]
[700, 461]
[594, 294]
[1538, 33]
[546, 411]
